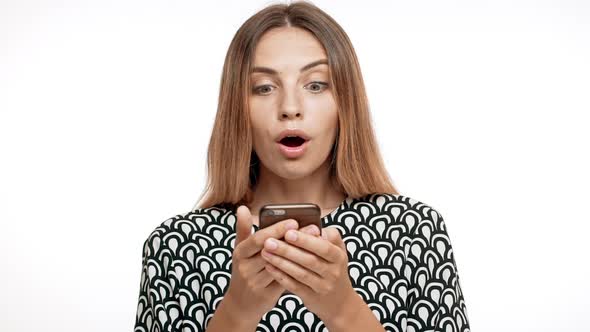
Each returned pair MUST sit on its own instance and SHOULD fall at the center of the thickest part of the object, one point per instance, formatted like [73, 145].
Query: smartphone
[304, 213]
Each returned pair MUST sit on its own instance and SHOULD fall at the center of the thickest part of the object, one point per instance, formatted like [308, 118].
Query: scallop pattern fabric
[401, 264]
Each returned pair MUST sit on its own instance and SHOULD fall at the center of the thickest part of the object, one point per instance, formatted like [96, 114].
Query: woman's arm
[227, 318]
[435, 299]
[158, 308]
[356, 317]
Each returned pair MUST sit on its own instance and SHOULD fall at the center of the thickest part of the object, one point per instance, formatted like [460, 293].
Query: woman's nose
[290, 104]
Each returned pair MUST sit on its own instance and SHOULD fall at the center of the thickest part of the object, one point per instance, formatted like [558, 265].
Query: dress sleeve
[434, 299]
[157, 309]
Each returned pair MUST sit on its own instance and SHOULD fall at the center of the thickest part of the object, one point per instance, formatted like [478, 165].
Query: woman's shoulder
[200, 224]
[398, 210]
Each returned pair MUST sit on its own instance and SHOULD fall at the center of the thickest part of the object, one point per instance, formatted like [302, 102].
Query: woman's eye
[259, 88]
[318, 84]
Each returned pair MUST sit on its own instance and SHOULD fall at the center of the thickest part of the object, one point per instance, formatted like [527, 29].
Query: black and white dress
[400, 257]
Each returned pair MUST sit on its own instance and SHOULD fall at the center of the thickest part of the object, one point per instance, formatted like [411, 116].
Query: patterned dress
[401, 264]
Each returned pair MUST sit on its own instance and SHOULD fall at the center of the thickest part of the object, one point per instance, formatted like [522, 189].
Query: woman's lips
[292, 152]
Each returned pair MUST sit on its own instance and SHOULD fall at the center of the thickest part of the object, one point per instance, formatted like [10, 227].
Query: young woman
[293, 126]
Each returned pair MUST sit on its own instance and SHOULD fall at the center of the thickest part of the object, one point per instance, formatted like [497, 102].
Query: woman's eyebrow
[271, 71]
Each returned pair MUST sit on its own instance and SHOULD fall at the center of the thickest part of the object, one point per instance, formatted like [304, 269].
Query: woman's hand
[252, 290]
[313, 267]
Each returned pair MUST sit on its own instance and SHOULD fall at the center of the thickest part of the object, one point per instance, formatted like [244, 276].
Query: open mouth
[292, 142]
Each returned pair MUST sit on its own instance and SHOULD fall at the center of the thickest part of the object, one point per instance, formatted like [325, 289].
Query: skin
[310, 265]
[291, 99]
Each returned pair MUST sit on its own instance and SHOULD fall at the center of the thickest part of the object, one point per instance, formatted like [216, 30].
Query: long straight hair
[357, 168]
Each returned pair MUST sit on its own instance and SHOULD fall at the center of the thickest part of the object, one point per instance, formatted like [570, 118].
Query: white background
[106, 108]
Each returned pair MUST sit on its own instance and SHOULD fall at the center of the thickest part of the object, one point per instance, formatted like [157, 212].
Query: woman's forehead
[294, 46]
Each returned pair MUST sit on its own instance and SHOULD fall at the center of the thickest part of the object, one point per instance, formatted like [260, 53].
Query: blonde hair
[356, 169]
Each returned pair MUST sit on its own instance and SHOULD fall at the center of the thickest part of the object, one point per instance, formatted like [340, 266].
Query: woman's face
[291, 99]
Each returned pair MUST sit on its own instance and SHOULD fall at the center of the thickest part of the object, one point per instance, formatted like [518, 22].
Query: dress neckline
[339, 207]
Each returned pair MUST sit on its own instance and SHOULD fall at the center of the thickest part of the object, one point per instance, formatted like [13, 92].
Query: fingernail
[313, 229]
[271, 244]
[291, 225]
[291, 236]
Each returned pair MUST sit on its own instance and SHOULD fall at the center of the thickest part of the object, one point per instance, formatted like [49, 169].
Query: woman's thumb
[243, 224]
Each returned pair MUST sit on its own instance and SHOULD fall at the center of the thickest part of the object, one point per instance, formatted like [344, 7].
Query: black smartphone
[304, 213]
